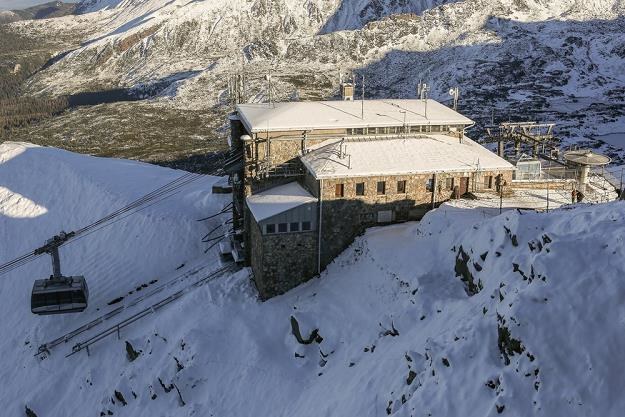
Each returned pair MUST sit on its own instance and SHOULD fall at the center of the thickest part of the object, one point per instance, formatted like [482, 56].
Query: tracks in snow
[46, 347]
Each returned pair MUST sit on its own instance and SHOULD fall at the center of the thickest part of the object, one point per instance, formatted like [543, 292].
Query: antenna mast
[422, 91]
[455, 93]
[362, 107]
[268, 78]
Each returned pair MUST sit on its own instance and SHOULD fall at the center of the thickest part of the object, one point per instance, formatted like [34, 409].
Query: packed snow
[412, 154]
[462, 313]
[309, 115]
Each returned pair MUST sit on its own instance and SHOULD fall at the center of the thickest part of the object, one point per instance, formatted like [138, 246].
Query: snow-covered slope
[535, 328]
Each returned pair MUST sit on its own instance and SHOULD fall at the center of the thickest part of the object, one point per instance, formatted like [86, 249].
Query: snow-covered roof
[310, 115]
[399, 156]
[277, 200]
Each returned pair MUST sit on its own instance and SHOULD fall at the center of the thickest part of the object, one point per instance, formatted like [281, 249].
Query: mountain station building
[308, 177]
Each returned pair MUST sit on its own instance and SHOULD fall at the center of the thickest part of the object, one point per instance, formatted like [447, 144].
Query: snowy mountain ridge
[460, 314]
[553, 61]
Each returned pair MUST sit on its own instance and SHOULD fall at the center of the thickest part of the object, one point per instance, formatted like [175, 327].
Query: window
[338, 190]
[358, 131]
[401, 187]
[282, 228]
[488, 181]
[350, 131]
[381, 187]
[305, 226]
[360, 188]
[449, 183]
[270, 229]
[295, 227]
[429, 185]
[436, 129]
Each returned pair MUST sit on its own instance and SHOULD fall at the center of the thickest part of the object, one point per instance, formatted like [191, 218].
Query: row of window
[381, 188]
[403, 129]
[271, 229]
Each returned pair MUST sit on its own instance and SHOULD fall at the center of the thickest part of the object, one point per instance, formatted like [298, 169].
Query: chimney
[347, 91]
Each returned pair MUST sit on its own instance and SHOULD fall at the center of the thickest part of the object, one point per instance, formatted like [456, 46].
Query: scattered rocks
[120, 397]
[29, 412]
[313, 337]
[131, 353]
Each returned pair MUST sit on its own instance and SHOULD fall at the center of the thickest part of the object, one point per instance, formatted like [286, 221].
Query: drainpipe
[319, 225]
[434, 186]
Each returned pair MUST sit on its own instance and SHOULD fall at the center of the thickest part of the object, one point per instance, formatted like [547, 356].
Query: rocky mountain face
[512, 59]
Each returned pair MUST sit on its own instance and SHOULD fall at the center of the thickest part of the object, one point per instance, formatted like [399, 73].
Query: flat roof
[277, 200]
[400, 156]
[311, 115]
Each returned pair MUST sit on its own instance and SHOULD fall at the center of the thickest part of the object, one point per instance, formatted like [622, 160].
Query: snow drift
[519, 314]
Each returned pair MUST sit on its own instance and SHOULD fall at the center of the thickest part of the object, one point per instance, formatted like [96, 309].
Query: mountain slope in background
[519, 314]
[513, 60]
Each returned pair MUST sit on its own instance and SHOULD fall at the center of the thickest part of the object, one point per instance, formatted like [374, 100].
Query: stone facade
[556, 184]
[346, 216]
[283, 261]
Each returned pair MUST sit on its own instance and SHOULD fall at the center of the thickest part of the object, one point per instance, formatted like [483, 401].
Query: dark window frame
[284, 226]
[306, 226]
[362, 191]
[488, 182]
[271, 226]
[339, 190]
[401, 187]
[294, 229]
[429, 185]
[382, 185]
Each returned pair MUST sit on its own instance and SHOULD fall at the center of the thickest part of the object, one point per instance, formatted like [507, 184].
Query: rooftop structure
[277, 200]
[314, 115]
[410, 155]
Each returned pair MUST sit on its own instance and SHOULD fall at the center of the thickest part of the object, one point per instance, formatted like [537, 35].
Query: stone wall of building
[555, 184]
[345, 217]
[283, 261]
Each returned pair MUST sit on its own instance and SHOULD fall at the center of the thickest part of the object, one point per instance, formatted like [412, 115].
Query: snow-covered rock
[459, 314]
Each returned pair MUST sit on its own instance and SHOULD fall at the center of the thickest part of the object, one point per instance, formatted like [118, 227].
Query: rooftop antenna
[455, 93]
[268, 78]
[423, 95]
[362, 107]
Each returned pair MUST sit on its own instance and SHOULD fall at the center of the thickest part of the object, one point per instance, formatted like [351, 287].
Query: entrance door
[464, 185]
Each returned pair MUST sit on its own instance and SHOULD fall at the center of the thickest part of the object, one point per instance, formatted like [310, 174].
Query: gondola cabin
[59, 296]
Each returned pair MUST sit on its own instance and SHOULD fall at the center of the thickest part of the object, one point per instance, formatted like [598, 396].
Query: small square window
[282, 227]
[401, 187]
[488, 181]
[360, 188]
[449, 183]
[295, 227]
[270, 229]
[339, 190]
[429, 185]
[305, 226]
[381, 187]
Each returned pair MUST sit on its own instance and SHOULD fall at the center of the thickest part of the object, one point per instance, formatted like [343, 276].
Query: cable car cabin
[59, 296]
